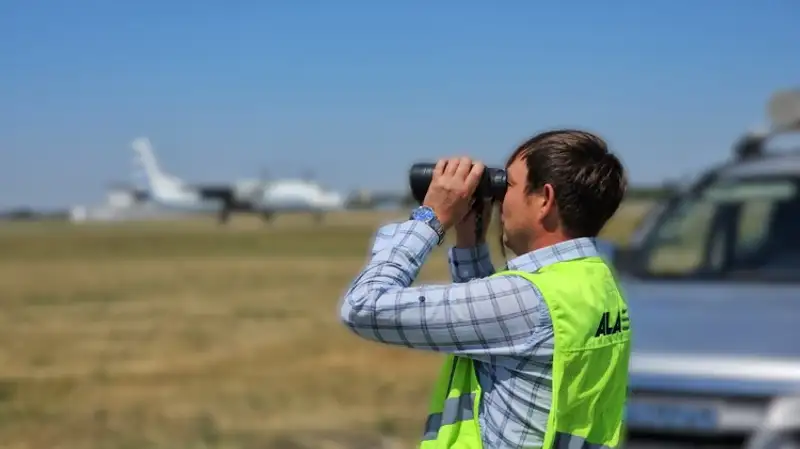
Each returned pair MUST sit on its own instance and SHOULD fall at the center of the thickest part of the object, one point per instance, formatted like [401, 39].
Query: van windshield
[747, 228]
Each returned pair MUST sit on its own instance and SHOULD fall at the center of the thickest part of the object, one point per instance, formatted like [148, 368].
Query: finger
[438, 170]
[452, 166]
[464, 165]
[474, 177]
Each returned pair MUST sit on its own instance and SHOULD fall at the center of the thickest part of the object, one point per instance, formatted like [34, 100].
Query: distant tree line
[651, 193]
[29, 214]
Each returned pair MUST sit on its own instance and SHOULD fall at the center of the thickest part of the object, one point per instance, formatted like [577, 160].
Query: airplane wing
[214, 192]
[224, 194]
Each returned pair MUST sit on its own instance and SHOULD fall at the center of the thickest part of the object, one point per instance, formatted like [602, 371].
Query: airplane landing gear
[224, 216]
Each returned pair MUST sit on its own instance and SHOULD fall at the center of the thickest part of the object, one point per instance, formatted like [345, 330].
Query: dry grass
[187, 335]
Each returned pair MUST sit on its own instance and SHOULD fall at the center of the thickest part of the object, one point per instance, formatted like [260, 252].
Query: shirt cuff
[469, 255]
[467, 264]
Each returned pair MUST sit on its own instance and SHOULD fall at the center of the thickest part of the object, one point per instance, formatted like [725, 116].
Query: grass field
[184, 334]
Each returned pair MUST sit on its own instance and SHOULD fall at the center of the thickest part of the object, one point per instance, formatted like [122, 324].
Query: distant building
[124, 196]
[123, 203]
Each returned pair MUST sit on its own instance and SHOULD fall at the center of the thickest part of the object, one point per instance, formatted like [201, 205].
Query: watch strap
[426, 215]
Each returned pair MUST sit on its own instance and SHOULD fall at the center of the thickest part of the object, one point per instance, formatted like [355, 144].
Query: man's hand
[450, 193]
[465, 229]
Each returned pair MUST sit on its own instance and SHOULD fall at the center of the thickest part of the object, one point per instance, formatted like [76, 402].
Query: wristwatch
[426, 215]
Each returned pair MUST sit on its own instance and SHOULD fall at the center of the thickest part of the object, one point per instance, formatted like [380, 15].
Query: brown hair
[589, 182]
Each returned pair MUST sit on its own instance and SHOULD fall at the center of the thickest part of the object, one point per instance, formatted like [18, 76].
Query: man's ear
[548, 198]
[548, 213]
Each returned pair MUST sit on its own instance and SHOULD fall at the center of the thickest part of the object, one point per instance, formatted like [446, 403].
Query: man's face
[523, 215]
[516, 209]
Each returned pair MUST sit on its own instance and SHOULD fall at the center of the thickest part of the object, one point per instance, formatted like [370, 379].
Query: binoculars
[492, 186]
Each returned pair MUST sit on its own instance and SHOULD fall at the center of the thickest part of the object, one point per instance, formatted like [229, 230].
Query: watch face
[427, 215]
[423, 213]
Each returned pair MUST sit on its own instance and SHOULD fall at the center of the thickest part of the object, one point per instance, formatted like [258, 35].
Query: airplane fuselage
[253, 196]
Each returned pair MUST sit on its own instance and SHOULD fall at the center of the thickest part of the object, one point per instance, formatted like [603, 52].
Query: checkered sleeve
[467, 264]
[485, 316]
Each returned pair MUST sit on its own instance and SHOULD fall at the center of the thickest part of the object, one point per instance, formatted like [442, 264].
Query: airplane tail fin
[157, 179]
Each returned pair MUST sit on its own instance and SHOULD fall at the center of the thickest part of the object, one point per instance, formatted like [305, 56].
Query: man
[549, 334]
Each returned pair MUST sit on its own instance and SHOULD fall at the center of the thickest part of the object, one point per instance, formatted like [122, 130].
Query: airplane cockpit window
[739, 227]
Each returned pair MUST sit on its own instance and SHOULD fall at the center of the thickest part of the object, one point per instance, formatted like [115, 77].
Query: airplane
[266, 198]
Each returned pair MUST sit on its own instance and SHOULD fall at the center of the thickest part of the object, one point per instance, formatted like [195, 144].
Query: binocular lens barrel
[492, 185]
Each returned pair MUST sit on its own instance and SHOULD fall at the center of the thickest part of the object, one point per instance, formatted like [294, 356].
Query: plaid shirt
[501, 322]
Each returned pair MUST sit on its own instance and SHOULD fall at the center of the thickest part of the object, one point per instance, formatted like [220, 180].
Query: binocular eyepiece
[492, 185]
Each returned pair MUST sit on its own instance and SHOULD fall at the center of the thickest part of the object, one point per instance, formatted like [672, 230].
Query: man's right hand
[465, 230]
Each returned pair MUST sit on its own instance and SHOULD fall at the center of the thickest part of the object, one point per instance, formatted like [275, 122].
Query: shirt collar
[560, 252]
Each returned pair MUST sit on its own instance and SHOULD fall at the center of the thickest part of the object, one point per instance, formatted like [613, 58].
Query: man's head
[562, 184]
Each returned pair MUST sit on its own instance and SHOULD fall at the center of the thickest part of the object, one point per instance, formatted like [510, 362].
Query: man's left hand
[450, 193]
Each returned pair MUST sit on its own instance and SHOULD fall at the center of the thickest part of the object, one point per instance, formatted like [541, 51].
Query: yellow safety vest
[590, 365]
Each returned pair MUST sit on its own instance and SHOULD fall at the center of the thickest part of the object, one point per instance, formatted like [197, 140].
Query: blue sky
[355, 91]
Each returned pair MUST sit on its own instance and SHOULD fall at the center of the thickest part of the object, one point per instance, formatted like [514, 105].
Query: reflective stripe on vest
[456, 409]
[590, 366]
[567, 441]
